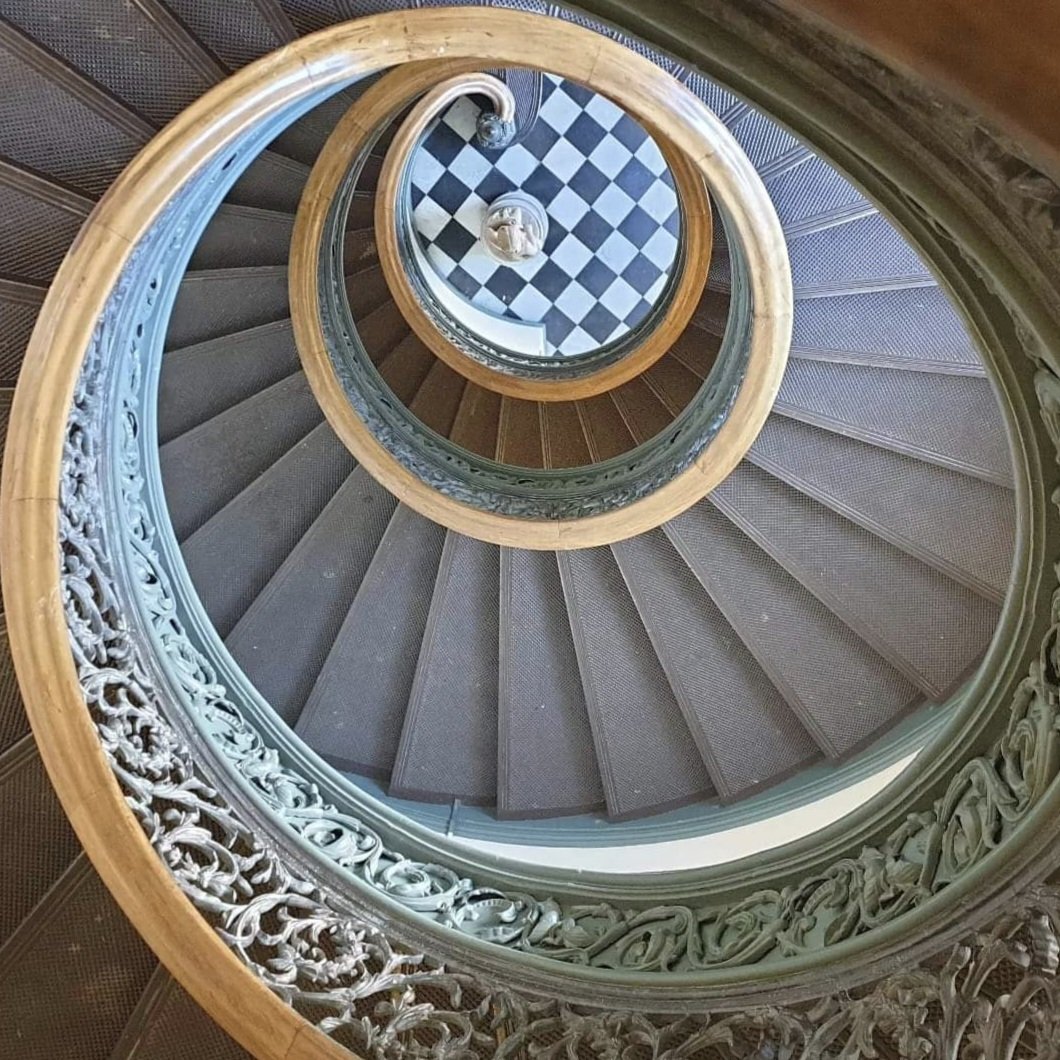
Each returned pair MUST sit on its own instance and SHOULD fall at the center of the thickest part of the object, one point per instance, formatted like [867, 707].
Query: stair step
[546, 759]
[814, 196]
[139, 53]
[960, 525]
[239, 32]
[647, 758]
[448, 745]
[218, 302]
[928, 627]
[19, 305]
[697, 350]
[867, 254]
[728, 107]
[168, 1025]
[72, 974]
[271, 182]
[361, 216]
[238, 367]
[40, 221]
[606, 429]
[644, 413]
[563, 435]
[273, 512]
[944, 419]
[359, 250]
[710, 671]
[205, 468]
[519, 436]
[36, 840]
[840, 689]
[381, 330]
[673, 384]
[771, 149]
[477, 421]
[14, 724]
[354, 714]
[241, 236]
[59, 124]
[366, 290]
[438, 398]
[282, 641]
[405, 367]
[916, 328]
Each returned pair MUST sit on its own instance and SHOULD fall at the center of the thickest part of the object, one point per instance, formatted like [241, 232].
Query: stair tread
[806, 197]
[448, 745]
[252, 435]
[477, 421]
[40, 221]
[959, 524]
[438, 398]
[20, 303]
[947, 419]
[374, 653]
[770, 147]
[859, 254]
[56, 124]
[405, 367]
[238, 33]
[239, 365]
[710, 671]
[37, 843]
[169, 1025]
[606, 429]
[644, 413]
[218, 302]
[926, 625]
[284, 638]
[563, 437]
[519, 440]
[840, 688]
[147, 61]
[274, 512]
[647, 758]
[381, 330]
[546, 759]
[910, 326]
[241, 236]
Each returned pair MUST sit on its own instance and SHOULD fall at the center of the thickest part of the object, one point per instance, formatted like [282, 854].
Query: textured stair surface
[851, 569]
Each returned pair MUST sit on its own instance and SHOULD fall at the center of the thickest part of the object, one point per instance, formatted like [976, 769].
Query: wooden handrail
[671, 113]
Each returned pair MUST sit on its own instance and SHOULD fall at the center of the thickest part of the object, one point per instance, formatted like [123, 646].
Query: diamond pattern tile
[613, 216]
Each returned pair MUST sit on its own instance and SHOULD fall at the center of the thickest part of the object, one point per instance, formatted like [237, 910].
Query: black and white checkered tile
[612, 209]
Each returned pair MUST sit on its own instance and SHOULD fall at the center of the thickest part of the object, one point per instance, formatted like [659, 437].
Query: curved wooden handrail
[697, 231]
[659, 103]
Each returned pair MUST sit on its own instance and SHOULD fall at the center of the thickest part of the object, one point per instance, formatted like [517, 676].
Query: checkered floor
[612, 210]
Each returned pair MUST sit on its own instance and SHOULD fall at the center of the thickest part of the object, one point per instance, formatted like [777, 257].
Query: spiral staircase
[355, 594]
